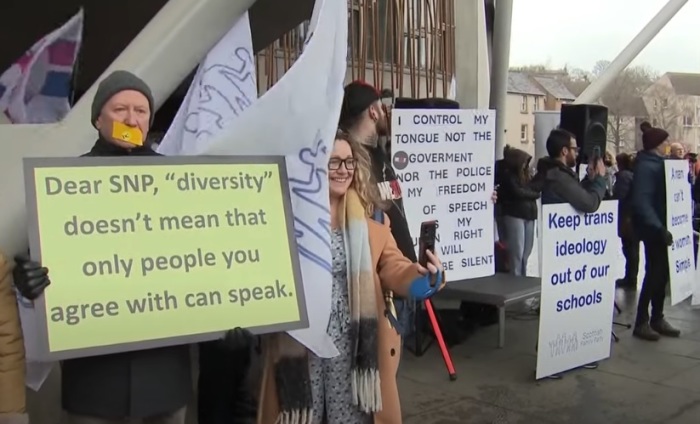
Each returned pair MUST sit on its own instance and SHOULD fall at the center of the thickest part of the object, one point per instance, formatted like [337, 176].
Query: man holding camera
[558, 181]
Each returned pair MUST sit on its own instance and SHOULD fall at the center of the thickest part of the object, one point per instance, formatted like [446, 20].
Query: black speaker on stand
[589, 124]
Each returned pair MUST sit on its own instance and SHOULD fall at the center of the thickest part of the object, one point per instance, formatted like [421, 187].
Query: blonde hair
[363, 181]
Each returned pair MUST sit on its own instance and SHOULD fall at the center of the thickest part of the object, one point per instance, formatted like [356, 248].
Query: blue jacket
[648, 201]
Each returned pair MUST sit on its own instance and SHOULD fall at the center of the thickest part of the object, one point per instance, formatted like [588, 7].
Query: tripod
[621, 324]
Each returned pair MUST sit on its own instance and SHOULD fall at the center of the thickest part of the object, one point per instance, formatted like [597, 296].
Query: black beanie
[116, 82]
[652, 137]
[358, 97]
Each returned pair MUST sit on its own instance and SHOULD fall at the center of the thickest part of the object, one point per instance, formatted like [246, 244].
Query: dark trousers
[656, 275]
[224, 394]
[630, 248]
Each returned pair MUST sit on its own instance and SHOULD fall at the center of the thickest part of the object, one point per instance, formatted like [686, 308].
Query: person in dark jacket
[519, 208]
[364, 118]
[558, 182]
[630, 242]
[153, 385]
[648, 203]
[498, 175]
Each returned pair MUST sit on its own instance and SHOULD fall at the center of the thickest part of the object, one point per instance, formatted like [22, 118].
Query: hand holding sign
[30, 277]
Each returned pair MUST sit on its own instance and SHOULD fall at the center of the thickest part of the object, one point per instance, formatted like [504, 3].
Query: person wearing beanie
[648, 206]
[150, 385]
[121, 98]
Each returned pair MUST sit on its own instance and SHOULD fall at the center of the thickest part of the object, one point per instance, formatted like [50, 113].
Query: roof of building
[555, 87]
[520, 83]
[685, 84]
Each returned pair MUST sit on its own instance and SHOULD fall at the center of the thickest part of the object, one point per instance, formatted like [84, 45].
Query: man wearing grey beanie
[152, 386]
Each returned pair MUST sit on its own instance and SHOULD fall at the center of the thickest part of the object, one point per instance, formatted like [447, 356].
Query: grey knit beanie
[116, 82]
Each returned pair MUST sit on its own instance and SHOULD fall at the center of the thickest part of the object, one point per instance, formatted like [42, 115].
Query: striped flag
[37, 88]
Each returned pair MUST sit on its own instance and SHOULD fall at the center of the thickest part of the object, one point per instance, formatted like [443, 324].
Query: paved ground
[641, 383]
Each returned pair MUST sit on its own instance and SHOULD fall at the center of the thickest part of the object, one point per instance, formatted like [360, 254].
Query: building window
[687, 121]
[523, 104]
[523, 133]
[536, 104]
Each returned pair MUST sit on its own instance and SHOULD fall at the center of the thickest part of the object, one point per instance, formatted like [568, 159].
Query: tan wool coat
[12, 371]
[393, 272]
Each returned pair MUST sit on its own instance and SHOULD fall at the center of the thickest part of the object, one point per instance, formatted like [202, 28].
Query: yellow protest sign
[154, 251]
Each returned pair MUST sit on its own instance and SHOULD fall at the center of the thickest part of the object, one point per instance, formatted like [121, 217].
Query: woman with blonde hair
[359, 385]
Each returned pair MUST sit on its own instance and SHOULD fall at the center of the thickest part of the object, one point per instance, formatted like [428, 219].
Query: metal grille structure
[406, 46]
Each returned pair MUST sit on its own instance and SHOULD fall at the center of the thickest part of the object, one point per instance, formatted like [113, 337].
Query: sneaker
[645, 332]
[664, 328]
[591, 366]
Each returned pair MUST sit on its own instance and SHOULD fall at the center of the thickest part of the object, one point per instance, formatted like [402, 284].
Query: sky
[578, 33]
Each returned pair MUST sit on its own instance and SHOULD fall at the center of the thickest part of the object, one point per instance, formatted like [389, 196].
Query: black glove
[668, 238]
[238, 339]
[30, 277]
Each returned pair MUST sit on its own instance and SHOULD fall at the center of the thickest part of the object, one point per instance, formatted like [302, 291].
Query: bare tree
[576, 80]
[599, 67]
[666, 109]
[623, 100]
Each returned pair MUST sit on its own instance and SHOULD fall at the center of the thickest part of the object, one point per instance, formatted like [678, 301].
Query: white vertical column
[499, 69]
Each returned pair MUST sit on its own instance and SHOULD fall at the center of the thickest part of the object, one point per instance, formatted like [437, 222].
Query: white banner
[444, 160]
[578, 286]
[679, 215]
[223, 87]
[298, 118]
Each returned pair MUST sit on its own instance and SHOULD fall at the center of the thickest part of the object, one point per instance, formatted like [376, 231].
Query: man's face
[381, 121]
[677, 151]
[571, 153]
[129, 107]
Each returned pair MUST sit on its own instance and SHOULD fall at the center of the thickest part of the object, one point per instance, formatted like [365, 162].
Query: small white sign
[679, 216]
[578, 286]
[444, 159]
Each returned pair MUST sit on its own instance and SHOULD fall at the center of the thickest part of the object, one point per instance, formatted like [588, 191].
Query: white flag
[36, 89]
[298, 118]
[223, 87]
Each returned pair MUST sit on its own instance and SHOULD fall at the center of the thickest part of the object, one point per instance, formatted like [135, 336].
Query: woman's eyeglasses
[335, 164]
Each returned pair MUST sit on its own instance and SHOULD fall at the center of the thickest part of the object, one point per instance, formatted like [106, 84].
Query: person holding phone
[558, 182]
[359, 385]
